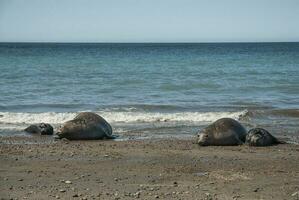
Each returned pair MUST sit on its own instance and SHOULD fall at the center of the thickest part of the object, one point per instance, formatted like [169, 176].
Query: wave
[287, 112]
[117, 117]
[31, 118]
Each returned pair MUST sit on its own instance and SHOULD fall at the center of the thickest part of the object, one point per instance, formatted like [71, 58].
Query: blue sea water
[151, 89]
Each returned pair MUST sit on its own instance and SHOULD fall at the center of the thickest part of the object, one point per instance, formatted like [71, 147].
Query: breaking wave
[117, 117]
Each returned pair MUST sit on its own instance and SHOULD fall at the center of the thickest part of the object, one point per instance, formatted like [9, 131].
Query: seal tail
[111, 136]
[279, 141]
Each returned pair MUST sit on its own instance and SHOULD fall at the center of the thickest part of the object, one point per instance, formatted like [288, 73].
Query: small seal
[86, 126]
[260, 137]
[42, 129]
[223, 132]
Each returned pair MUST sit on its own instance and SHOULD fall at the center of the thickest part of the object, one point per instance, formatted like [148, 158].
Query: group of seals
[85, 126]
[228, 132]
[223, 132]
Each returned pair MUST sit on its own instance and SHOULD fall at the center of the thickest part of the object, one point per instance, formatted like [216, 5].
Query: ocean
[151, 90]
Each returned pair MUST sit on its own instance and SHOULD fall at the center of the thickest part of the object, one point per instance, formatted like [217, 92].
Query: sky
[149, 20]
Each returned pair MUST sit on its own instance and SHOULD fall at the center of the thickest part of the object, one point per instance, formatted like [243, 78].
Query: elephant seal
[260, 137]
[223, 132]
[42, 129]
[86, 126]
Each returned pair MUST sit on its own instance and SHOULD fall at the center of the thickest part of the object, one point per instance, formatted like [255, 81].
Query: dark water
[151, 89]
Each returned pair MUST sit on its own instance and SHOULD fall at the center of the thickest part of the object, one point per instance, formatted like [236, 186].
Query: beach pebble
[62, 190]
[208, 196]
[202, 174]
[68, 182]
[295, 194]
[236, 197]
[137, 194]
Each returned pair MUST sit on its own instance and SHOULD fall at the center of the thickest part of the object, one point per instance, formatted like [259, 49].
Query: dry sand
[145, 169]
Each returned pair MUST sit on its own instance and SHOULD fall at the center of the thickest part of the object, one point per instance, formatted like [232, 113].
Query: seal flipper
[111, 136]
[56, 137]
[279, 141]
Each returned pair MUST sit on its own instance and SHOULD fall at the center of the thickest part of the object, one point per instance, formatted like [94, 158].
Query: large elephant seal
[261, 137]
[223, 132]
[86, 126]
[42, 129]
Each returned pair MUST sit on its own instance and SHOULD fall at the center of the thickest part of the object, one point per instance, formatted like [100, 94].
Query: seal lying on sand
[223, 132]
[261, 137]
[42, 128]
[86, 126]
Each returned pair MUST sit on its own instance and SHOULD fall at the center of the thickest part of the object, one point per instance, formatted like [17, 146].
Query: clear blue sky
[149, 20]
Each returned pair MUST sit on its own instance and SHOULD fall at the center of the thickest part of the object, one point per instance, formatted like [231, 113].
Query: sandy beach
[41, 168]
[116, 100]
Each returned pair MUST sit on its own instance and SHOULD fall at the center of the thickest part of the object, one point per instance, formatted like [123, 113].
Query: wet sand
[145, 169]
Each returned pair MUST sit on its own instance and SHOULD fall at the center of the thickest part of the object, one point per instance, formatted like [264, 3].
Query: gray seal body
[223, 132]
[86, 126]
[260, 137]
[42, 129]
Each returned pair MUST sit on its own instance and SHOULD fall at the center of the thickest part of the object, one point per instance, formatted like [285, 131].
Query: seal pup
[223, 132]
[260, 137]
[86, 126]
[42, 129]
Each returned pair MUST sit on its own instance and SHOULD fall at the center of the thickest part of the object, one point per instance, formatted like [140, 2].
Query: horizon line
[150, 42]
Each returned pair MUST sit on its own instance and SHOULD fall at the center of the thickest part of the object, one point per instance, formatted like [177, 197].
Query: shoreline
[147, 169]
[28, 138]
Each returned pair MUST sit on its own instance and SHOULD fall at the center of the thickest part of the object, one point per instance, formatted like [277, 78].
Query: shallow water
[151, 89]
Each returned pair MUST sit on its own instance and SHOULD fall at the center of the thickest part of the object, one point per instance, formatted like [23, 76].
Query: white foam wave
[31, 118]
[118, 117]
[170, 117]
